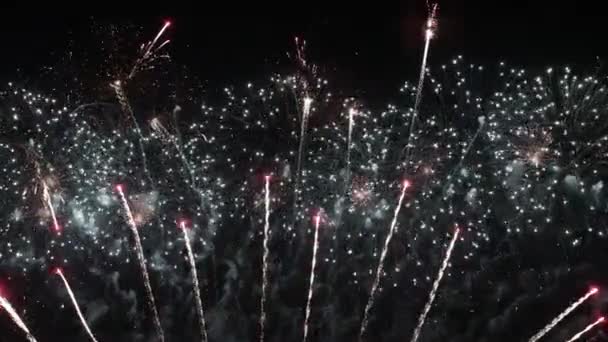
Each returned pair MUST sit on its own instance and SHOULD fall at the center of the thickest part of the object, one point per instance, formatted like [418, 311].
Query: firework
[149, 50]
[47, 199]
[16, 319]
[303, 128]
[139, 251]
[197, 291]
[563, 315]
[587, 328]
[380, 269]
[265, 256]
[431, 23]
[313, 264]
[351, 114]
[75, 303]
[433, 293]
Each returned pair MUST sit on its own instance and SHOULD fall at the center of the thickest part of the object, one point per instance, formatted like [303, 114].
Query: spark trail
[265, 256]
[313, 265]
[47, 198]
[195, 285]
[431, 23]
[563, 315]
[433, 293]
[303, 129]
[75, 303]
[142, 263]
[380, 269]
[16, 319]
[351, 114]
[587, 328]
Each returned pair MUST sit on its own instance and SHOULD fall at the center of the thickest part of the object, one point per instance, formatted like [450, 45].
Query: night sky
[366, 50]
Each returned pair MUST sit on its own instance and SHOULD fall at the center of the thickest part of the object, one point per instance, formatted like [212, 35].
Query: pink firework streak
[75, 303]
[587, 328]
[433, 293]
[315, 248]
[265, 256]
[380, 269]
[142, 262]
[197, 291]
[16, 319]
[563, 315]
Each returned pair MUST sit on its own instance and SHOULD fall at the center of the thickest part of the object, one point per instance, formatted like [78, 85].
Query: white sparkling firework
[587, 328]
[433, 293]
[315, 248]
[431, 22]
[265, 256]
[195, 285]
[16, 319]
[351, 114]
[76, 306]
[47, 199]
[380, 269]
[303, 129]
[563, 315]
[139, 251]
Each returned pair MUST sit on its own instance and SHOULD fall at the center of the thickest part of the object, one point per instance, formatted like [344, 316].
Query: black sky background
[364, 47]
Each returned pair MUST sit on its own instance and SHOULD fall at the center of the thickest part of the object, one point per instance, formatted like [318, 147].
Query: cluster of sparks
[521, 158]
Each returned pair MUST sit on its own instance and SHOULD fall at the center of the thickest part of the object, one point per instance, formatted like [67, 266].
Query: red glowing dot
[601, 319]
[119, 187]
[594, 290]
[406, 184]
[182, 224]
[57, 271]
[167, 23]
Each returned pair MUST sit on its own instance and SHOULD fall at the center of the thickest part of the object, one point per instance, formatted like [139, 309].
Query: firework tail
[430, 22]
[195, 285]
[265, 256]
[47, 199]
[75, 304]
[587, 328]
[380, 269]
[433, 292]
[563, 315]
[142, 263]
[303, 129]
[313, 265]
[16, 319]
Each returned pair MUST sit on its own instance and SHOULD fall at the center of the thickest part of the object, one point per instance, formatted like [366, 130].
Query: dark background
[370, 47]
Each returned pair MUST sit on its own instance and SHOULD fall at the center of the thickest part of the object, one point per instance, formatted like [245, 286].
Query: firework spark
[433, 293]
[47, 199]
[563, 315]
[313, 264]
[380, 269]
[139, 251]
[75, 303]
[587, 328]
[197, 291]
[303, 128]
[265, 256]
[16, 319]
[431, 23]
